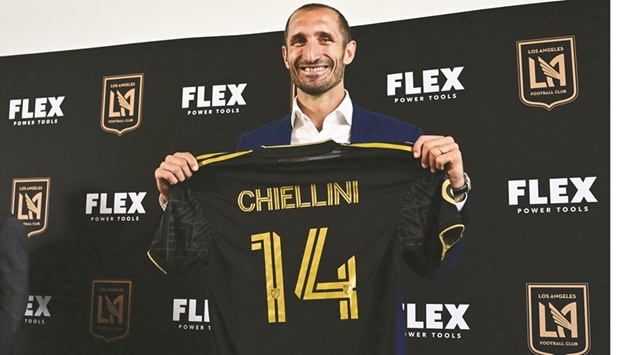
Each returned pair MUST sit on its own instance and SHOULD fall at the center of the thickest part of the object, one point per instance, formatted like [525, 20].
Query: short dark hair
[344, 24]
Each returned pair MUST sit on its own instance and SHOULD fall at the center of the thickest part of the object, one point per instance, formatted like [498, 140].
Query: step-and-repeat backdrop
[524, 90]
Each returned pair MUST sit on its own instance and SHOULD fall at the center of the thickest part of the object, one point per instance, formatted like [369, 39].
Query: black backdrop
[538, 158]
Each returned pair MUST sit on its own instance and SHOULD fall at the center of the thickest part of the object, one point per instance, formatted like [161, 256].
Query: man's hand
[176, 168]
[441, 153]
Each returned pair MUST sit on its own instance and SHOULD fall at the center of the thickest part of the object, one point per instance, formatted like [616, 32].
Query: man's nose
[312, 51]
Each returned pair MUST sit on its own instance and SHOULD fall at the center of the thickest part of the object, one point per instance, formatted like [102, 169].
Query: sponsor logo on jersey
[35, 111]
[117, 206]
[191, 314]
[110, 309]
[37, 309]
[213, 100]
[424, 85]
[121, 106]
[30, 203]
[558, 318]
[436, 320]
[556, 195]
[547, 71]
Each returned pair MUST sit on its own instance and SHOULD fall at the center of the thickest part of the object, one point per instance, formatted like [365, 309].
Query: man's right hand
[176, 168]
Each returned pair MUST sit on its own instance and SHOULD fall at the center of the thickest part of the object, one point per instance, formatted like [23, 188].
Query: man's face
[315, 52]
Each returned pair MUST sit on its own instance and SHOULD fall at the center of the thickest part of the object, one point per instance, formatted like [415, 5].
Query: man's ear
[349, 52]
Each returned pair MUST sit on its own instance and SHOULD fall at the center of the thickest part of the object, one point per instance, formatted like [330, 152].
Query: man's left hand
[441, 153]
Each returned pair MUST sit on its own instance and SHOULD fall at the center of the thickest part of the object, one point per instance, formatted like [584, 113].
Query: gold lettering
[330, 194]
[315, 201]
[242, 207]
[264, 199]
[285, 195]
[339, 191]
[298, 201]
[289, 197]
[276, 198]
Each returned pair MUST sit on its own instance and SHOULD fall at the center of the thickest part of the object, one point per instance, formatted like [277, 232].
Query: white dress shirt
[336, 126]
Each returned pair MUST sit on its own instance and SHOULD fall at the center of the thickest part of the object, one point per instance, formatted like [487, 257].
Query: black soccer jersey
[301, 243]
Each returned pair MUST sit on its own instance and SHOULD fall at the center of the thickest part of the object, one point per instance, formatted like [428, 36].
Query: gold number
[307, 288]
[274, 285]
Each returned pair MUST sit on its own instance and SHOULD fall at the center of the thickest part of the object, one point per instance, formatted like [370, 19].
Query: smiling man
[317, 48]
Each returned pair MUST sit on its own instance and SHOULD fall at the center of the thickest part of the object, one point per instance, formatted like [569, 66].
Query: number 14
[307, 288]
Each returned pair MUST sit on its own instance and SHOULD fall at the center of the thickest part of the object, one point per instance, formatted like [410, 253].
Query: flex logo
[436, 320]
[558, 318]
[35, 111]
[121, 105]
[434, 316]
[218, 99]
[439, 84]
[118, 206]
[188, 312]
[37, 309]
[556, 191]
[37, 306]
[547, 71]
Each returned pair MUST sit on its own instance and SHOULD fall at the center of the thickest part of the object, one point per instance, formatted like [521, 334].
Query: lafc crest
[110, 309]
[30, 203]
[558, 319]
[121, 107]
[547, 71]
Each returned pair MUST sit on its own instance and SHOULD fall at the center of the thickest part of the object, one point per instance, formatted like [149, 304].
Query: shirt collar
[343, 111]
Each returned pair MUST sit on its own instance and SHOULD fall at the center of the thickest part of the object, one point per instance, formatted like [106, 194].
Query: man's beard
[317, 88]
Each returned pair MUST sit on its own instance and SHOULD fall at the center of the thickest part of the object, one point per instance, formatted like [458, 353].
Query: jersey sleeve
[184, 233]
[429, 222]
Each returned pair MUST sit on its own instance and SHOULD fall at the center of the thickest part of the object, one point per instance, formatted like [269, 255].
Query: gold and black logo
[110, 308]
[558, 318]
[30, 203]
[121, 106]
[547, 71]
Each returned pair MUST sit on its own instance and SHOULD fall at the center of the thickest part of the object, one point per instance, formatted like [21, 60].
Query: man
[13, 279]
[317, 48]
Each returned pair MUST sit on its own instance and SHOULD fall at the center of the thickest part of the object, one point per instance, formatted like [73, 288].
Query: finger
[164, 179]
[419, 144]
[189, 158]
[430, 151]
[182, 165]
[435, 158]
[452, 164]
[446, 155]
[174, 173]
[184, 160]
